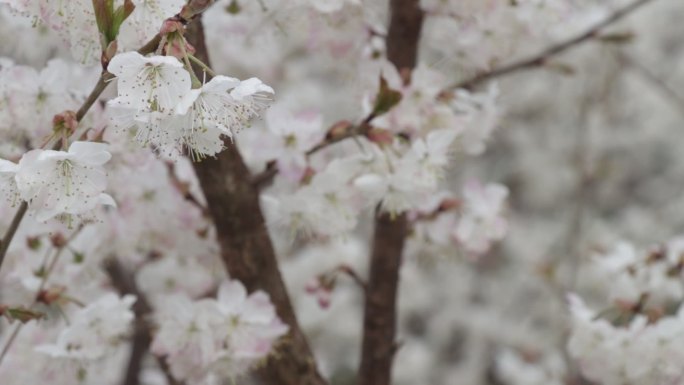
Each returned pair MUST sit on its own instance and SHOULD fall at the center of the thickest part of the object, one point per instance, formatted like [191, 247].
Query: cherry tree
[240, 191]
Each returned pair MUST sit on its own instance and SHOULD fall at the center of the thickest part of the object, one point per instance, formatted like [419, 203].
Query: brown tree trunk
[380, 318]
[246, 248]
[379, 324]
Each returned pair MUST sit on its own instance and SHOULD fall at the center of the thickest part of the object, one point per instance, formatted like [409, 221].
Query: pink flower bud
[65, 121]
[175, 48]
[171, 25]
[312, 286]
[324, 299]
[380, 136]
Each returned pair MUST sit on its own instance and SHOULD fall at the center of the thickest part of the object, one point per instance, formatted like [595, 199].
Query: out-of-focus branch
[541, 58]
[380, 310]
[675, 98]
[123, 282]
[246, 248]
[184, 189]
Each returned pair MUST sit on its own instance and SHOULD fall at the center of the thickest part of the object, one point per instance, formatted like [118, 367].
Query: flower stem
[200, 63]
[186, 59]
[16, 221]
[43, 283]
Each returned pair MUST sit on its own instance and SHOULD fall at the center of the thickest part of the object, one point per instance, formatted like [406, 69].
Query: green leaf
[109, 20]
[617, 37]
[104, 13]
[233, 8]
[560, 67]
[22, 314]
[386, 98]
[120, 15]
[79, 257]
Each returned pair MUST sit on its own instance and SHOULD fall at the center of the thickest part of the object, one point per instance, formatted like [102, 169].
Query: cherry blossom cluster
[474, 223]
[30, 98]
[403, 157]
[93, 330]
[636, 338]
[54, 275]
[58, 183]
[217, 338]
[157, 104]
[350, 136]
[519, 368]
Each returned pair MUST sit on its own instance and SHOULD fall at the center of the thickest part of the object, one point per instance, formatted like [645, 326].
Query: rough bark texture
[403, 34]
[246, 249]
[379, 324]
[380, 317]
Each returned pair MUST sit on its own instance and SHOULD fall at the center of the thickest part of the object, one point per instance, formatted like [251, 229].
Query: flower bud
[58, 240]
[171, 25]
[65, 122]
[51, 295]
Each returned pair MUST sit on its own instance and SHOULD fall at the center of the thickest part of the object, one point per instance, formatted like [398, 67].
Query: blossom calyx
[65, 122]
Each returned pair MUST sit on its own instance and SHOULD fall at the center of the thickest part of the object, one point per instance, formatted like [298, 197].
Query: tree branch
[123, 282]
[665, 89]
[380, 312]
[7, 239]
[246, 249]
[541, 58]
[380, 317]
[261, 179]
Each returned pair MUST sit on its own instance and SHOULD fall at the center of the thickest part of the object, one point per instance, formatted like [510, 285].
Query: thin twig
[37, 296]
[200, 63]
[675, 98]
[184, 189]
[7, 239]
[541, 58]
[10, 341]
[362, 128]
[351, 273]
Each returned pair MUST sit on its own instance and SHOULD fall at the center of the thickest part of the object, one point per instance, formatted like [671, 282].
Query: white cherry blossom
[221, 106]
[289, 136]
[221, 337]
[254, 329]
[156, 83]
[328, 205]
[94, 330]
[8, 184]
[64, 182]
[478, 116]
[187, 335]
[329, 6]
[482, 221]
